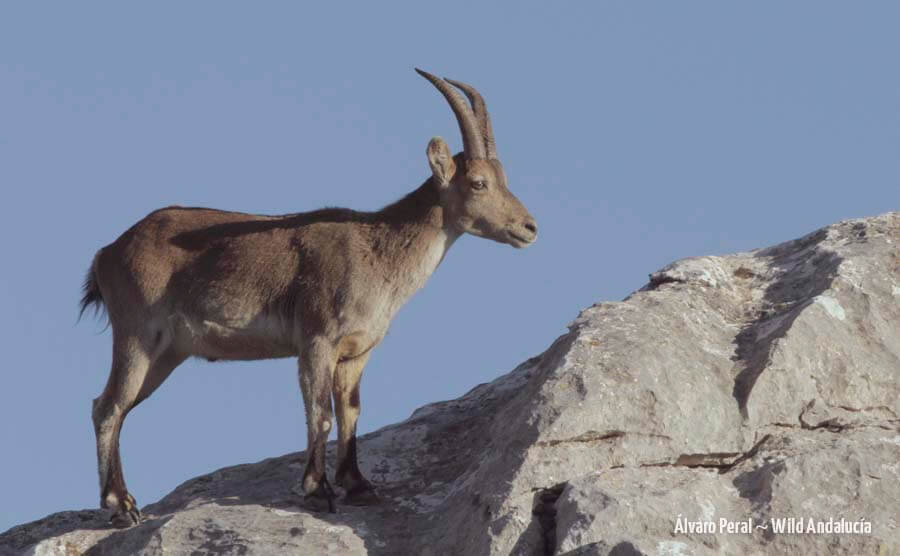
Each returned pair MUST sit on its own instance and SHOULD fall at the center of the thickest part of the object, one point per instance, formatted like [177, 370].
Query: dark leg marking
[360, 491]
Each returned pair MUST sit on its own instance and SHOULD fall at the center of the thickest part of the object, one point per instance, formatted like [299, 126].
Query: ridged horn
[481, 115]
[473, 145]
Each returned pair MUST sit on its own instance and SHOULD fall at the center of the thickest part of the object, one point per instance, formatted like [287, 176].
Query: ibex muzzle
[322, 286]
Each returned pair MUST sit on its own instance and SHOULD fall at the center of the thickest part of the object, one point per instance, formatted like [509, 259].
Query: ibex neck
[419, 207]
[412, 238]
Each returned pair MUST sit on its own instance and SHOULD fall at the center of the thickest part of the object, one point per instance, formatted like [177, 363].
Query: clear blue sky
[636, 133]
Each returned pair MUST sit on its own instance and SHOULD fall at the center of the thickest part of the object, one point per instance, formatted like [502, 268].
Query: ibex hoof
[362, 494]
[128, 513]
[321, 499]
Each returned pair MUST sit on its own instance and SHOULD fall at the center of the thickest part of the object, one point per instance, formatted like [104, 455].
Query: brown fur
[322, 286]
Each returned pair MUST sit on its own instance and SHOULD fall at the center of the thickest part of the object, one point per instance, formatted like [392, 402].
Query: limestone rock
[742, 391]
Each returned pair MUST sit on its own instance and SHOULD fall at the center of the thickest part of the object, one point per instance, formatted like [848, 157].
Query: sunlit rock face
[743, 404]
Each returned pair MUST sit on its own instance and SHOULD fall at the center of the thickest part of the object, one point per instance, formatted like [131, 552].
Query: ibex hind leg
[138, 368]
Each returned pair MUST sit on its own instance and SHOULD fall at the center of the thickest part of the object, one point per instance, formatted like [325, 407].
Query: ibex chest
[376, 298]
[411, 274]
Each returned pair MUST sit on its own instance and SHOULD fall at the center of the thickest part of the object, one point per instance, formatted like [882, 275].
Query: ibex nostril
[531, 227]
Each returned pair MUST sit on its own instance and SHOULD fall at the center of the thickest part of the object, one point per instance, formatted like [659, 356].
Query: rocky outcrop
[729, 402]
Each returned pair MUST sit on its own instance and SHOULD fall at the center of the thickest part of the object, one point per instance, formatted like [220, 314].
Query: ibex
[321, 285]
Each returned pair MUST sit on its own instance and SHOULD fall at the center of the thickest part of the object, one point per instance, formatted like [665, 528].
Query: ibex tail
[91, 291]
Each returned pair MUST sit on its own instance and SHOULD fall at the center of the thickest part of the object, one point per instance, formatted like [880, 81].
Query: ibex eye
[478, 184]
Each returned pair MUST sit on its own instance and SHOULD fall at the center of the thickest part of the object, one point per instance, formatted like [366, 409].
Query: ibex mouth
[519, 241]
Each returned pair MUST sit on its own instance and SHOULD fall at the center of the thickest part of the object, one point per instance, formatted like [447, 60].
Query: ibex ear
[441, 161]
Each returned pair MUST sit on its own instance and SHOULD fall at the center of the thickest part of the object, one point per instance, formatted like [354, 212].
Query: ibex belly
[263, 338]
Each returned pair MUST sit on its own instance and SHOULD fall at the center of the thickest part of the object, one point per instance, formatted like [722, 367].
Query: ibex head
[473, 187]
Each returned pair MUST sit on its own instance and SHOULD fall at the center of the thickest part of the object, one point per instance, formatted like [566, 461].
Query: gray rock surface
[759, 386]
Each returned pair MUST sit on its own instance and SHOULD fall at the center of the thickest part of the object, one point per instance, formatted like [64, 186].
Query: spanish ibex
[321, 285]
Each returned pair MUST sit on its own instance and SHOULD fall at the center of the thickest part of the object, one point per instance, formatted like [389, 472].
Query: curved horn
[472, 143]
[481, 115]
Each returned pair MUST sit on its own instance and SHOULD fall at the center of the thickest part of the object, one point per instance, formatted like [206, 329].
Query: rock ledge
[747, 389]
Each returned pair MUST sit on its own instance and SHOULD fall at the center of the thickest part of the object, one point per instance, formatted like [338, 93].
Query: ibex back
[321, 285]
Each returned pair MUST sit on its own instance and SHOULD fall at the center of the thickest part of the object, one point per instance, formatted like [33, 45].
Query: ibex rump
[322, 286]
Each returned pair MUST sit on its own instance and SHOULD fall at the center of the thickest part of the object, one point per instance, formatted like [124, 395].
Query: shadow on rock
[623, 548]
[756, 486]
[129, 541]
[803, 270]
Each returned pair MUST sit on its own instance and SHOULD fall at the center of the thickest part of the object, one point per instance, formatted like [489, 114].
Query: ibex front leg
[317, 362]
[347, 376]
